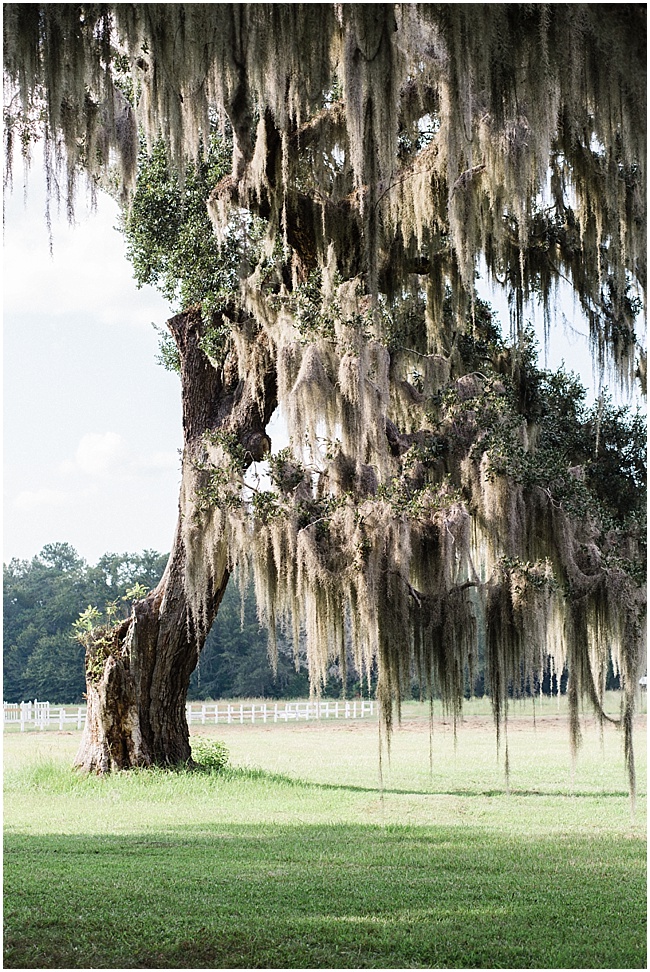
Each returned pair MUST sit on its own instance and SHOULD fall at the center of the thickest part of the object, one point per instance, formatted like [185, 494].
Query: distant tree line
[43, 597]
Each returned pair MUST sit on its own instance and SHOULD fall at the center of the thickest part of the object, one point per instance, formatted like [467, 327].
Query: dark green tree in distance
[235, 661]
[431, 498]
[42, 599]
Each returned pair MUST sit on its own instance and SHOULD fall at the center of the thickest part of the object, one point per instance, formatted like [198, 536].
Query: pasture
[297, 856]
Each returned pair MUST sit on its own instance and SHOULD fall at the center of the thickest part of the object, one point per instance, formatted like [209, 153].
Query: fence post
[275, 713]
[252, 712]
[41, 714]
[264, 712]
[241, 713]
[61, 717]
[216, 713]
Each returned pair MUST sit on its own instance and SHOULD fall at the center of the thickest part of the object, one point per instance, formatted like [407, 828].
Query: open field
[295, 858]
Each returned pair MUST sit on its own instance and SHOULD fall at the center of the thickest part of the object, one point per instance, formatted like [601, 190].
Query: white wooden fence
[42, 715]
[213, 713]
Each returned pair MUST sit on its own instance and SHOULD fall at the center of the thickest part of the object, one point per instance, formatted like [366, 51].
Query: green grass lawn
[295, 858]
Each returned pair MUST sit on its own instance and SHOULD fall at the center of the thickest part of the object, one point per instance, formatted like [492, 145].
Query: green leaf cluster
[589, 457]
[415, 503]
[170, 240]
[317, 316]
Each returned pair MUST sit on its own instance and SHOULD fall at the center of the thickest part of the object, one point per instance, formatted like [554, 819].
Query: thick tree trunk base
[136, 705]
[112, 739]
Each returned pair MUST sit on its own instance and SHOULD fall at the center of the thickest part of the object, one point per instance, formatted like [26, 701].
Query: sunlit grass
[294, 857]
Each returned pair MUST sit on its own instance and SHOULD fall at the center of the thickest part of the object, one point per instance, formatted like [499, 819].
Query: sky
[92, 424]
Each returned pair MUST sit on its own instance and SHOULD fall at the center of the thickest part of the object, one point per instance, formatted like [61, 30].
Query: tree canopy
[420, 124]
[380, 156]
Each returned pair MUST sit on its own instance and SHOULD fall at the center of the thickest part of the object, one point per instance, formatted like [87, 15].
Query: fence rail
[216, 712]
[42, 715]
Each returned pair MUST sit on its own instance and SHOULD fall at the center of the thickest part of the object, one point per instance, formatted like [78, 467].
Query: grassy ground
[294, 857]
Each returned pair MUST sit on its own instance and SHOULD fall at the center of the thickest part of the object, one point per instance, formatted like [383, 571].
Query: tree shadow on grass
[244, 773]
[229, 895]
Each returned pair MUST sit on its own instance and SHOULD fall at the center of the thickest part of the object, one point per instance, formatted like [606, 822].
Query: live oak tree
[380, 154]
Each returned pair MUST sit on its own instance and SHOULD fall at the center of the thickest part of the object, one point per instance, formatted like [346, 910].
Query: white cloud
[85, 329]
[107, 455]
[97, 453]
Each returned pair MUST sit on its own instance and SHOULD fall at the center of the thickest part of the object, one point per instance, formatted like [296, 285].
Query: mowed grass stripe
[323, 896]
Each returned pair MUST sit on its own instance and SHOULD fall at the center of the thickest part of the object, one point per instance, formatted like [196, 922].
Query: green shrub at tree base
[209, 754]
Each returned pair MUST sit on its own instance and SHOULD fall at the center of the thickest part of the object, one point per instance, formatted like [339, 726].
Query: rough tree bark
[137, 683]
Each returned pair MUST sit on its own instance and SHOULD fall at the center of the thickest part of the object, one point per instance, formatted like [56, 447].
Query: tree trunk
[136, 685]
